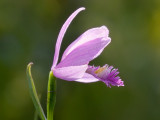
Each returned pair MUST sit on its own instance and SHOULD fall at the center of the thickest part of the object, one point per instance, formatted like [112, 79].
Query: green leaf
[51, 97]
[33, 93]
[35, 115]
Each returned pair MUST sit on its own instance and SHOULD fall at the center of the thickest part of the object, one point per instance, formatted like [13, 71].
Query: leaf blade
[33, 93]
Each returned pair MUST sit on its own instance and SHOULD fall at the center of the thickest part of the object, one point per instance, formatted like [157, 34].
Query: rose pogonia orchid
[75, 59]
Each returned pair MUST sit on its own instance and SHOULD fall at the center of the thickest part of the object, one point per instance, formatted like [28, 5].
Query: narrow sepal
[51, 97]
[33, 93]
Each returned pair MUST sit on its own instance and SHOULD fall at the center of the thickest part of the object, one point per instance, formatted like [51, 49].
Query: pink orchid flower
[75, 59]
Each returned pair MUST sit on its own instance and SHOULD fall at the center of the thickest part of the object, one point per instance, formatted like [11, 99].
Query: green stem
[51, 97]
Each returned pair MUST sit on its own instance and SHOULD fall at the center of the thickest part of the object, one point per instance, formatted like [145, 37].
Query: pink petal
[61, 35]
[70, 73]
[87, 78]
[89, 35]
[85, 52]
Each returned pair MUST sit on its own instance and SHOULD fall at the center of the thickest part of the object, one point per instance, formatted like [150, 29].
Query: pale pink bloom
[74, 63]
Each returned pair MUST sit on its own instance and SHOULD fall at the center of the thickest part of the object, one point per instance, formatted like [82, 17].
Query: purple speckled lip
[75, 59]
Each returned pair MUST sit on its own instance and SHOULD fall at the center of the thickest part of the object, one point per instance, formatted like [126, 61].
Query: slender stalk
[51, 97]
[33, 93]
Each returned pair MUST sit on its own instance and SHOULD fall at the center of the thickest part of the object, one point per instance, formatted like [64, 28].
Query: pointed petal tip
[79, 10]
[82, 8]
[105, 29]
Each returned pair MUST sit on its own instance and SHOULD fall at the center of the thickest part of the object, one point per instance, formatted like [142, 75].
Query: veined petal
[85, 53]
[70, 73]
[61, 35]
[87, 78]
[89, 35]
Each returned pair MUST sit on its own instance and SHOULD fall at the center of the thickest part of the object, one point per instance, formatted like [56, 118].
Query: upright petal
[84, 53]
[89, 35]
[61, 35]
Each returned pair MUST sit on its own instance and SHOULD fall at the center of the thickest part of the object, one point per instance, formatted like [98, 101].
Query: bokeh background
[28, 32]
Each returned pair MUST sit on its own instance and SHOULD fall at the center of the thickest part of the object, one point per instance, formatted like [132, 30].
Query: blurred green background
[28, 32]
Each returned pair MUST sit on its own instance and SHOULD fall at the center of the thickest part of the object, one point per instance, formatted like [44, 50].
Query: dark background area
[28, 32]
